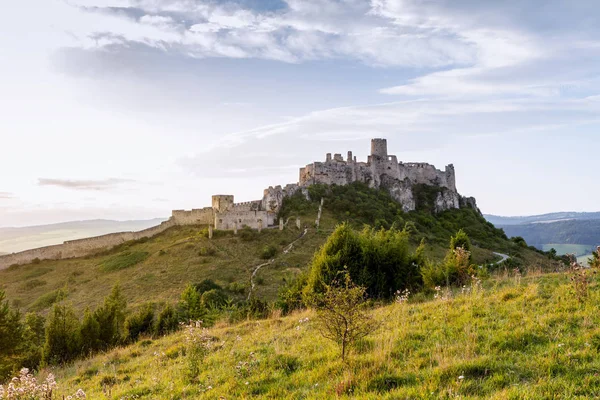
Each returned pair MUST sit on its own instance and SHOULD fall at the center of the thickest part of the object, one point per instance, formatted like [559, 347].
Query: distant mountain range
[543, 218]
[566, 232]
[30, 237]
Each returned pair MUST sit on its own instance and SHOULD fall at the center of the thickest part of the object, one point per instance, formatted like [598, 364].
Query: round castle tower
[379, 148]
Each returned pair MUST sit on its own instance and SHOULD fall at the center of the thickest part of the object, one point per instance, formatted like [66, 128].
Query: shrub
[11, 332]
[63, 342]
[207, 251]
[190, 305]
[247, 234]
[341, 315]
[379, 260]
[166, 322]
[140, 323]
[90, 333]
[111, 318]
[268, 252]
[214, 299]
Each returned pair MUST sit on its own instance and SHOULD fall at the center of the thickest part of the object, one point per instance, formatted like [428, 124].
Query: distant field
[564, 248]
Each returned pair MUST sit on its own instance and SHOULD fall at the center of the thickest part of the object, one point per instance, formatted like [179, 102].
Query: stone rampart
[80, 247]
[252, 219]
[199, 216]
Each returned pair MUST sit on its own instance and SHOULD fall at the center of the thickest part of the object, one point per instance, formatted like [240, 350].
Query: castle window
[240, 220]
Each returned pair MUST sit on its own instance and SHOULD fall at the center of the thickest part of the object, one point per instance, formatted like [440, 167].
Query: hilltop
[157, 269]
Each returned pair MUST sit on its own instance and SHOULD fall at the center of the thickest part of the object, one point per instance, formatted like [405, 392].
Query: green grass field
[516, 338]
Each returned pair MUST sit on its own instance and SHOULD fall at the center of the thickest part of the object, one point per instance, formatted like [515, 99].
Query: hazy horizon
[127, 109]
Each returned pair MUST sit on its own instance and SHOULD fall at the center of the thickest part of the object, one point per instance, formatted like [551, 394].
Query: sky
[127, 109]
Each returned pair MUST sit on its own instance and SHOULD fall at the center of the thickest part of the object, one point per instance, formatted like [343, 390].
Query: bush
[63, 342]
[341, 315]
[456, 269]
[214, 299]
[207, 251]
[140, 323]
[247, 234]
[166, 322]
[268, 252]
[379, 260]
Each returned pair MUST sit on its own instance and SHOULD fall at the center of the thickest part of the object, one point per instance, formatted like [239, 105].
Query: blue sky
[127, 109]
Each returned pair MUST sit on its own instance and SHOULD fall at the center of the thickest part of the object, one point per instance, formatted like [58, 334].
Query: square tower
[222, 202]
[379, 148]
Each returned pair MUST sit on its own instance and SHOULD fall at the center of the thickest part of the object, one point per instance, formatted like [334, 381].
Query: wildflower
[461, 377]
[402, 296]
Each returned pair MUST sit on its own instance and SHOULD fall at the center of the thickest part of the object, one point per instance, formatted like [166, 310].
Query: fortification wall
[80, 247]
[200, 216]
[252, 219]
[254, 205]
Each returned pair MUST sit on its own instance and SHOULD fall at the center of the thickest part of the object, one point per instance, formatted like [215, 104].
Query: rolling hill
[565, 232]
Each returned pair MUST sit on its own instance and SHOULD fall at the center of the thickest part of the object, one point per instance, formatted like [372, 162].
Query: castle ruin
[379, 171]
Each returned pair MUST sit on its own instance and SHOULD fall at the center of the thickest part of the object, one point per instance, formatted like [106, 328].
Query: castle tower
[222, 202]
[379, 148]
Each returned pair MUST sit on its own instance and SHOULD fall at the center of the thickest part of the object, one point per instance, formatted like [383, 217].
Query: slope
[515, 338]
[158, 269]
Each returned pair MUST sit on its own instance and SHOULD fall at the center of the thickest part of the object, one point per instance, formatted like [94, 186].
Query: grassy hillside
[158, 269]
[526, 338]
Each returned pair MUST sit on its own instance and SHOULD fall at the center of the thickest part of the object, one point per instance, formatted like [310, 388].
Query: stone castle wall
[384, 170]
[80, 247]
[200, 216]
[232, 219]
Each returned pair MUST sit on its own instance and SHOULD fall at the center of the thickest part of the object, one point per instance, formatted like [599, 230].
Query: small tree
[62, 335]
[166, 322]
[341, 315]
[11, 332]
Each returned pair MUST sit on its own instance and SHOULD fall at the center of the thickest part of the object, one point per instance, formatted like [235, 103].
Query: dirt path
[288, 248]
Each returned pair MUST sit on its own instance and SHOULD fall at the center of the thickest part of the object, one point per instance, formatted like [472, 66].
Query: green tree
[461, 239]
[11, 333]
[111, 318]
[191, 304]
[140, 322]
[167, 321]
[90, 333]
[34, 336]
[341, 250]
[62, 335]
[214, 299]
